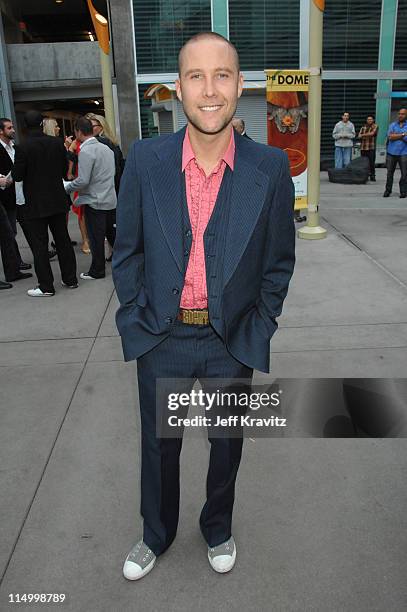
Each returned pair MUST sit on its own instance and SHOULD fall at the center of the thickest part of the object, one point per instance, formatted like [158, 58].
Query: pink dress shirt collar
[188, 153]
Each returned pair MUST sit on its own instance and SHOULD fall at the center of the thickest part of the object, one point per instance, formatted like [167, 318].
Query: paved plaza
[320, 524]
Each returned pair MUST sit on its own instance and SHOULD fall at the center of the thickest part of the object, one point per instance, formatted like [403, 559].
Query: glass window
[400, 51]
[162, 27]
[266, 34]
[399, 86]
[148, 130]
[351, 34]
[355, 97]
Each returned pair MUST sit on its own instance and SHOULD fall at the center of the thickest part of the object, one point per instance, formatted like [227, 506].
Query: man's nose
[209, 87]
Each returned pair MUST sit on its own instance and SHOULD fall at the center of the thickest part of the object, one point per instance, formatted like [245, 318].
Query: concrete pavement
[320, 524]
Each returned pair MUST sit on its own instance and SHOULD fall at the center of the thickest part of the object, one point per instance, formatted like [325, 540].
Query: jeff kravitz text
[218, 401]
[230, 421]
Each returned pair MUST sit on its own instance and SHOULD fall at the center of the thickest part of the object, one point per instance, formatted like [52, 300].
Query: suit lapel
[166, 181]
[249, 190]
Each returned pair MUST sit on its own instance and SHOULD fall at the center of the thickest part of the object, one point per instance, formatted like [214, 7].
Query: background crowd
[344, 135]
[41, 180]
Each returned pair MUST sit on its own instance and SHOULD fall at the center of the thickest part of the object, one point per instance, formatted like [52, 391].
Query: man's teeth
[210, 108]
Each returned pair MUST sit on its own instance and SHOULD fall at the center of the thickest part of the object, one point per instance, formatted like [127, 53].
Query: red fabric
[295, 145]
[202, 192]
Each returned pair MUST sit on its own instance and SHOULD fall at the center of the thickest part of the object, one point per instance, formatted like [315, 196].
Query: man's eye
[196, 76]
[223, 75]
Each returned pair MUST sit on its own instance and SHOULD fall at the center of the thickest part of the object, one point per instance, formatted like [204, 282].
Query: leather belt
[193, 317]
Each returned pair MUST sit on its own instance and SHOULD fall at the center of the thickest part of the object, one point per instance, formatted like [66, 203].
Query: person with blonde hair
[72, 146]
[50, 126]
[105, 134]
[41, 163]
[102, 128]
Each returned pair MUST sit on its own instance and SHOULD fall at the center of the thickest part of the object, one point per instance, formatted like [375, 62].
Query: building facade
[364, 55]
[54, 62]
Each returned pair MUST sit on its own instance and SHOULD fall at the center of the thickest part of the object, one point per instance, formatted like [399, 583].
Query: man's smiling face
[209, 84]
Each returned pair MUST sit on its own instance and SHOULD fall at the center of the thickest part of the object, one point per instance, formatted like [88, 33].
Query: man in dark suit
[8, 199]
[203, 257]
[8, 252]
[8, 193]
[41, 163]
[240, 127]
[11, 263]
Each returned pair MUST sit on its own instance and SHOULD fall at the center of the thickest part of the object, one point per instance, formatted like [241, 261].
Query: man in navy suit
[202, 261]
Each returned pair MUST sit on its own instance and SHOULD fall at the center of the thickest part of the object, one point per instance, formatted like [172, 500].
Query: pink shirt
[202, 192]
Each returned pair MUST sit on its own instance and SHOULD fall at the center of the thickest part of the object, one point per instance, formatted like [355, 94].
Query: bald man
[203, 257]
[397, 153]
[240, 126]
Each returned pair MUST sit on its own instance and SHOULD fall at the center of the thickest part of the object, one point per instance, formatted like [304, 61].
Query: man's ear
[178, 89]
[240, 85]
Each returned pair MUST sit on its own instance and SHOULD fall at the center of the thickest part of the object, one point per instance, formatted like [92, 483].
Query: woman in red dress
[73, 147]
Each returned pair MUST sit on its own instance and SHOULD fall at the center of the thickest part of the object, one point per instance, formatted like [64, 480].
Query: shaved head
[209, 83]
[238, 124]
[211, 36]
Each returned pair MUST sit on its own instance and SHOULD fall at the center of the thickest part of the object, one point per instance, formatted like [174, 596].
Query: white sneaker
[139, 562]
[222, 558]
[38, 293]
[87, 276]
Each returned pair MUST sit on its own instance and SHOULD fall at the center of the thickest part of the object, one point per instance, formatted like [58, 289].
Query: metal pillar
[312, 230]
[386, 58]
[101, 26]
[220, 17]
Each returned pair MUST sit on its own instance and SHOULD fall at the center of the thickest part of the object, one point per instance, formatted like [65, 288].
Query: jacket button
[186, 252]
[188, 233]
[175, 291]
[168, 320]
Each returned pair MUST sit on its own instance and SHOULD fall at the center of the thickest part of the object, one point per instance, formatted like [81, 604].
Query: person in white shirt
[343, 134]
[8, 189]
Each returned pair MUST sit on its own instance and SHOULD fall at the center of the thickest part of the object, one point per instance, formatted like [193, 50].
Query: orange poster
[287, 123]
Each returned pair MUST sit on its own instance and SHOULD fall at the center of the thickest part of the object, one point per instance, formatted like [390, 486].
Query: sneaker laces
[135, 552]
[225, 544]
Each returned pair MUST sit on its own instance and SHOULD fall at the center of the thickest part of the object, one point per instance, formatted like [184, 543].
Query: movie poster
[287, 123]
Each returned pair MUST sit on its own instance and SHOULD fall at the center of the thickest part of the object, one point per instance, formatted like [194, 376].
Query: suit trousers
[111, 226]
[391, 163]
[11, 263]
[36, 233]
[12, 217]
[189, 353]
[97, 226]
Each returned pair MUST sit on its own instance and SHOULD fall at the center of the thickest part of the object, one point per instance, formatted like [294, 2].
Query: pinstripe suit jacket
[149, 259]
